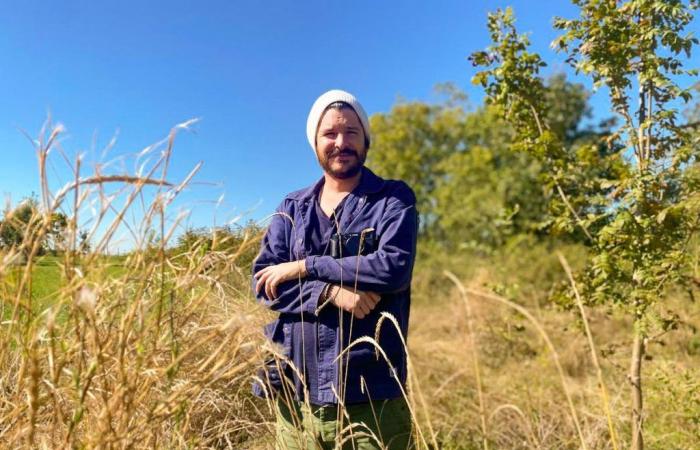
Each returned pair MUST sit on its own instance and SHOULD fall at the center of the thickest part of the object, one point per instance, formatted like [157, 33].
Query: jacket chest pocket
[298, 250]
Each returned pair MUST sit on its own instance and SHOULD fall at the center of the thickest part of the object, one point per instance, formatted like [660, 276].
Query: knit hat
[320, 105]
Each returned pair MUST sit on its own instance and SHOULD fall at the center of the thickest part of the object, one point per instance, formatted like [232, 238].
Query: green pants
[383, 424]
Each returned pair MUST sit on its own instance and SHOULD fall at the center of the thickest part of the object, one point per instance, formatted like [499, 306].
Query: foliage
[471, 188]
[17, 222]
[409, 144]
[640, 218]
[645, 207]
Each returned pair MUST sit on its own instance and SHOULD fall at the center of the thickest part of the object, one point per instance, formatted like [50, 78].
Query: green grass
[48, 279]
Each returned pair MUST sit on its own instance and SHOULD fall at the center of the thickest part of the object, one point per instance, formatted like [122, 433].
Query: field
[523, 397]
[96, 370]
[554, 294]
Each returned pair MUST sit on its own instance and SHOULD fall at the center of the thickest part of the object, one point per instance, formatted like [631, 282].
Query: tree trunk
[635, 378]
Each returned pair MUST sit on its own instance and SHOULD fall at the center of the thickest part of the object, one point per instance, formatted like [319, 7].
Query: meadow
[553, 298]
[158, 348]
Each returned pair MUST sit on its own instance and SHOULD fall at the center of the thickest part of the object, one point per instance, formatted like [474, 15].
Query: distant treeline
[474, 191]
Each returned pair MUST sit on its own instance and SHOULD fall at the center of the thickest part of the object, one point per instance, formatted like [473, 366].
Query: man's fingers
[273, 288]
[260, 283]
[371, 298]
[268, 289]
[367, 305]
[364, 307]
[266, 277]
[261, 272]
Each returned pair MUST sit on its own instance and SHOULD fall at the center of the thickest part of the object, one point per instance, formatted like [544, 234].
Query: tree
[55, 240]
[11, 225]
[640, 220]
[410, 142]
[84, 246]
[480, 194]
[18, 222]
[472, 190]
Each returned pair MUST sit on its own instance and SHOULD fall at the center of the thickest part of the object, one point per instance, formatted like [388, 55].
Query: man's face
[340, 143]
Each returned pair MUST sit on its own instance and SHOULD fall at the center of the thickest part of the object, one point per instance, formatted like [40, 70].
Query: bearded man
[336, 264]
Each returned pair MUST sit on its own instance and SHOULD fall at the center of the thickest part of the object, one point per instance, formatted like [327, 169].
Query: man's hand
[271, 276]
[358, 303]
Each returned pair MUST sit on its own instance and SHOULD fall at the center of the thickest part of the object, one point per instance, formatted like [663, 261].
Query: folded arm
[291, 294]
[386, 270]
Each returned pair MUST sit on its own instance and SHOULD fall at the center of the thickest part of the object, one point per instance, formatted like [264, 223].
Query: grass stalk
[605, 399]
[475, 354]
[552, 351]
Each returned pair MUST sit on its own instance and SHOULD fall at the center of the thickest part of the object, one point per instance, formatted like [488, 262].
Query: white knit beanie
[320, 105]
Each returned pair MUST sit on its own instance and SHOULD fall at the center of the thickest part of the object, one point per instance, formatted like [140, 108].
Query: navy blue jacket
[312, 338]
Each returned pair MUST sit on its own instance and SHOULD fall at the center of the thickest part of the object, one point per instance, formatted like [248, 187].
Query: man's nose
[339, 140]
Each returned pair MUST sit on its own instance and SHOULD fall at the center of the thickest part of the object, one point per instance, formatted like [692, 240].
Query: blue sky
[249, 70]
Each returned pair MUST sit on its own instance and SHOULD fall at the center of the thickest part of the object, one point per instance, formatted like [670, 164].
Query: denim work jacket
[315, 338]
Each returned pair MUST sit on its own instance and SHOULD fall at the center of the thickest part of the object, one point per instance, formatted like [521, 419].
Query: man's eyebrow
[323, 129]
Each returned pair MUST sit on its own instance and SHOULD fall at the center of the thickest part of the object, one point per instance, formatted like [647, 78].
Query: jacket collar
[369, 184]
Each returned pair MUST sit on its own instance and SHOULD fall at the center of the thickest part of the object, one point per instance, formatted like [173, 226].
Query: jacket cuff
[311, 303]
[310, 262]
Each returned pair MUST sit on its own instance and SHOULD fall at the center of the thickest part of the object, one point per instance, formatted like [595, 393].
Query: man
[336, 258]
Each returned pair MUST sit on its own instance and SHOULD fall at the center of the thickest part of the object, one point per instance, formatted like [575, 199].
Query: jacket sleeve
[386, 270]
[294, 297]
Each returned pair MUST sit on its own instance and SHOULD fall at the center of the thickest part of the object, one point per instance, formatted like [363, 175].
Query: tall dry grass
[532, 352]
[158, 348]
[155, 349]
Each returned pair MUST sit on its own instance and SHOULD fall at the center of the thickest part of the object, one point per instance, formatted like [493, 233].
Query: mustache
[344, 152]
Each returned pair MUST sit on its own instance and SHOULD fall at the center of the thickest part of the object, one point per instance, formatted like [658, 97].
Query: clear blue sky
[249, 70]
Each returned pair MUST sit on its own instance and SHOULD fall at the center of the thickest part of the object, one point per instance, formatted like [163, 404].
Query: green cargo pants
[383, 424]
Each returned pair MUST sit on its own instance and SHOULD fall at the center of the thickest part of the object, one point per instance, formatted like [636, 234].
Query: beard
[349, 170]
